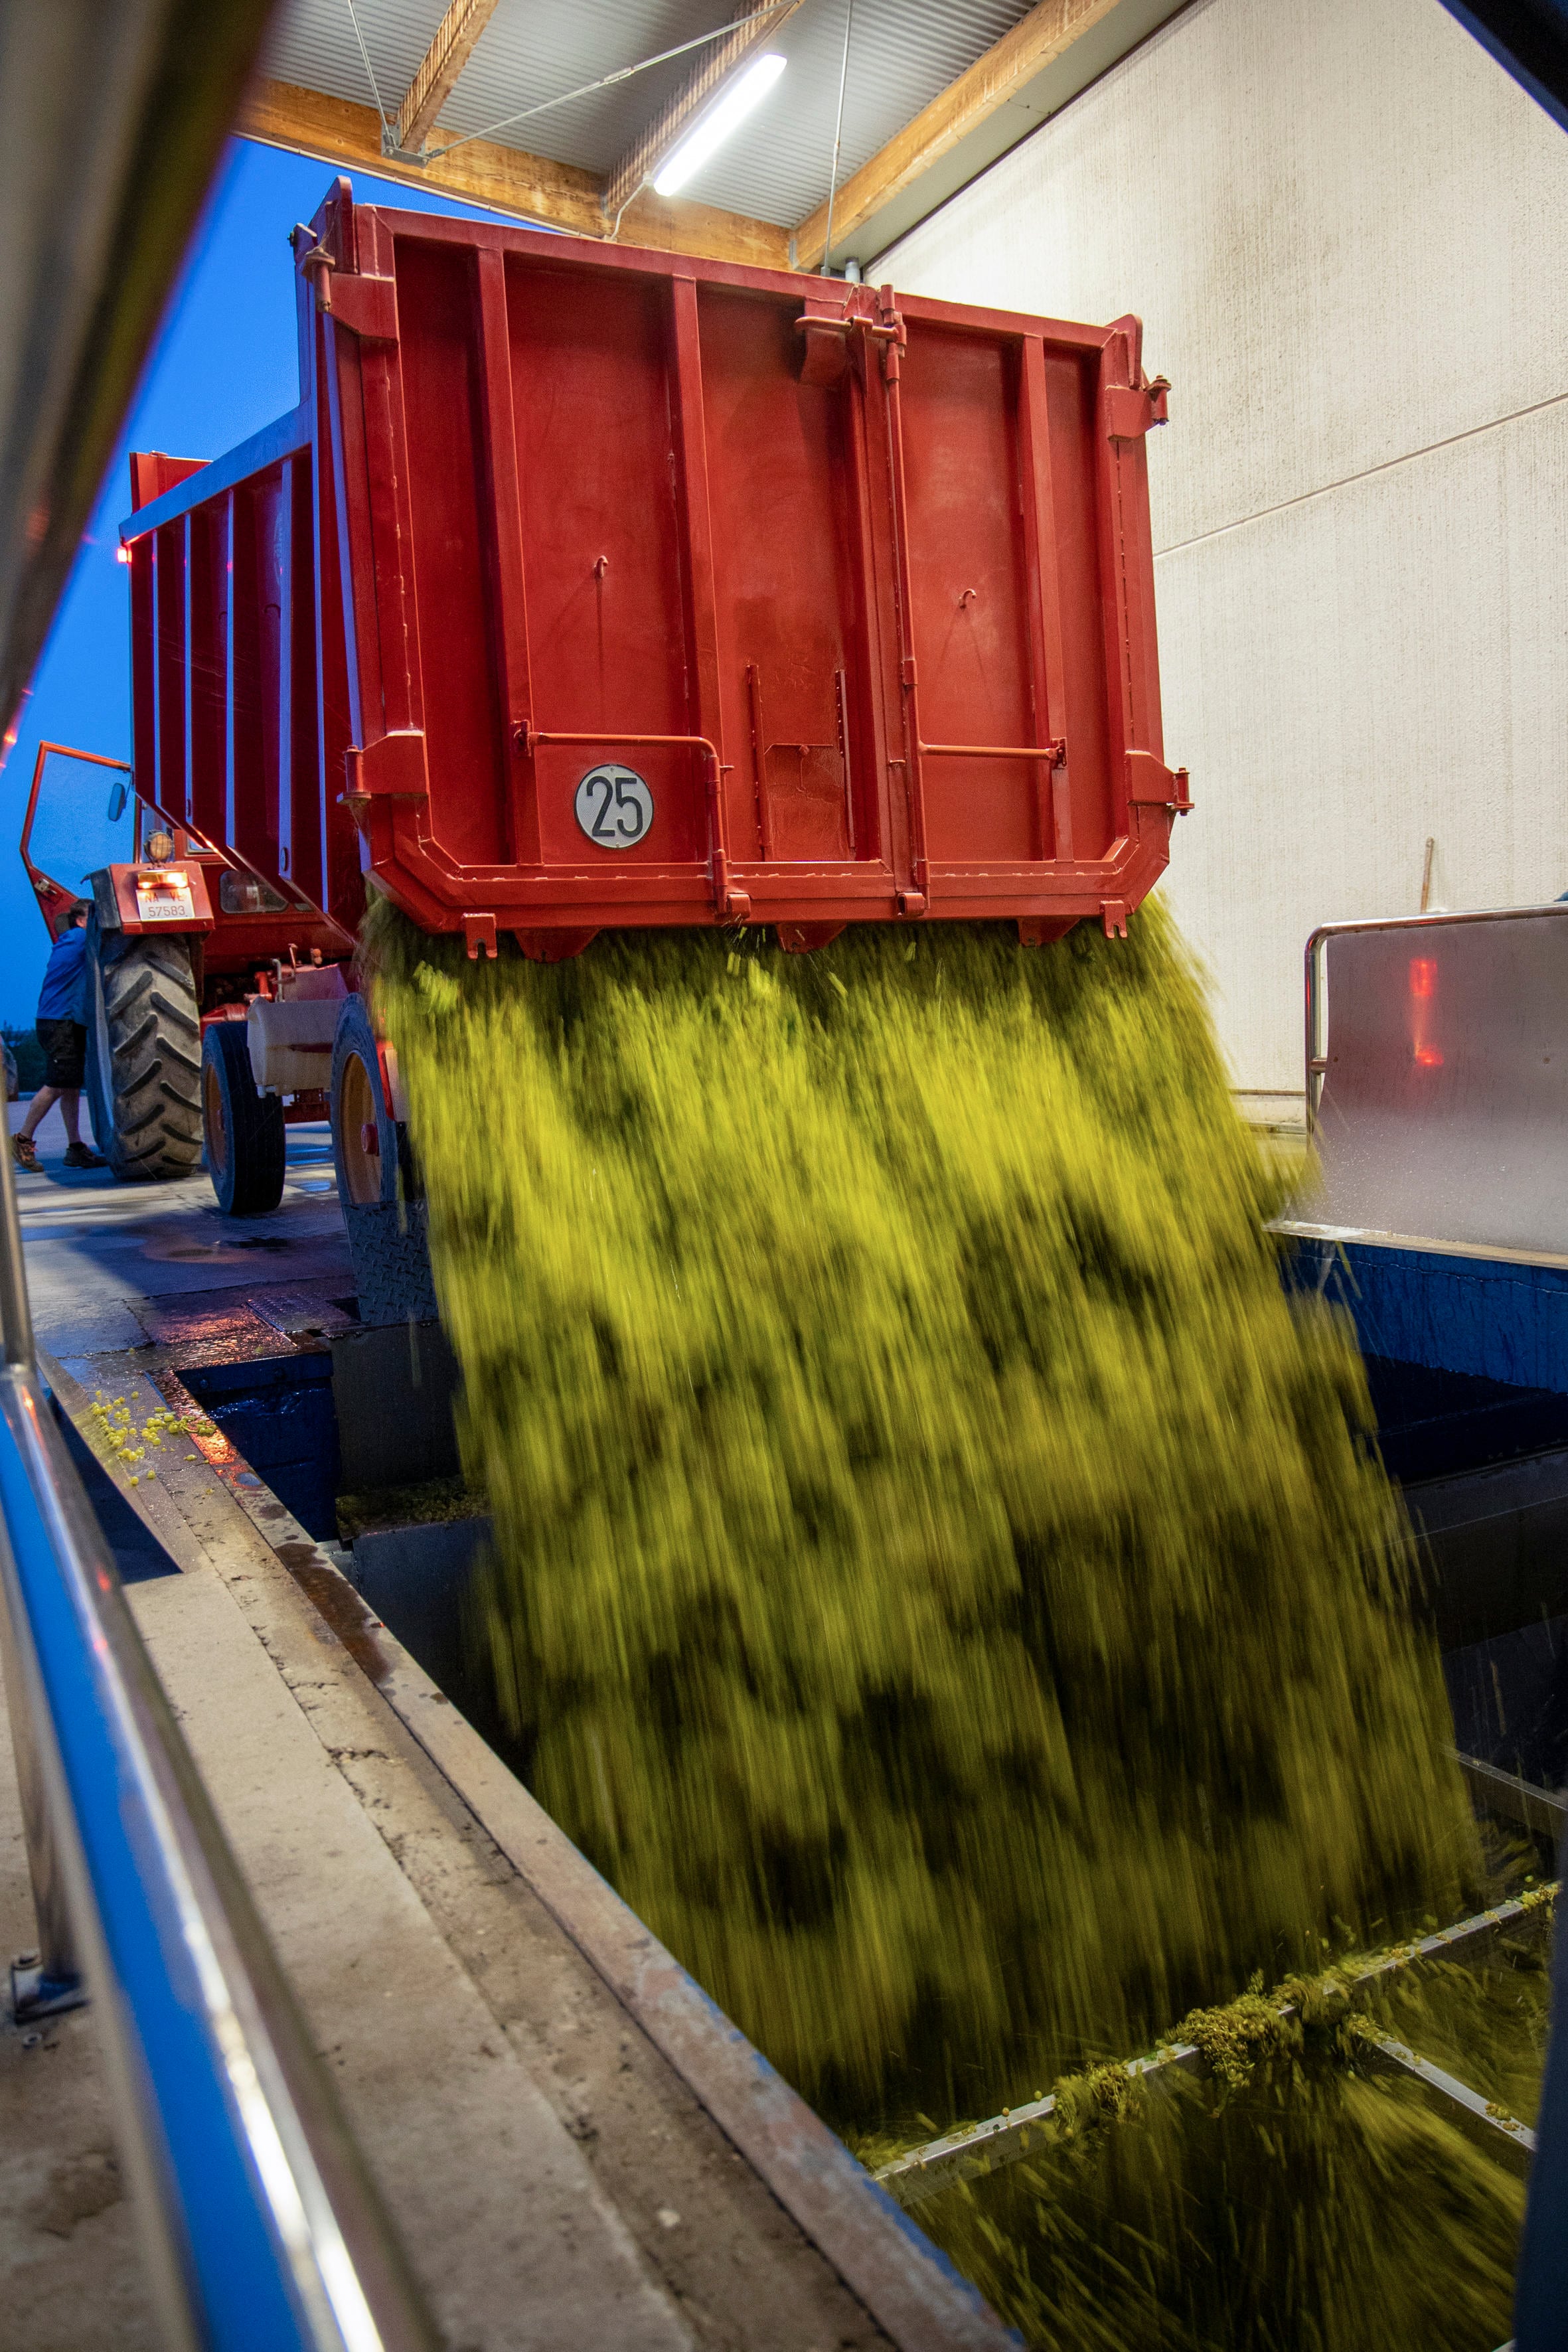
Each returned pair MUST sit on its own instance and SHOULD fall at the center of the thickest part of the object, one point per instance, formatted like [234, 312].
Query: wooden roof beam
[720, 63]
[505, 178]
[1035, 42]
[436, 76]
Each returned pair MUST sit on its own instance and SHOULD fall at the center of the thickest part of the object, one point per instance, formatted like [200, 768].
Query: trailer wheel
[364, 1133]
[144, 1055]
[379, 1191]
[243, 1127]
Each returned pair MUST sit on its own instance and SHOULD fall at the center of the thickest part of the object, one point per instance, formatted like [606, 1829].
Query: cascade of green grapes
[939, 1576]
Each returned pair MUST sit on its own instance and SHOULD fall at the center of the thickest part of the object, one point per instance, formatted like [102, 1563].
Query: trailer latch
[365, 305]
[317, 265]
[827, 338]
[1151, 784]
[1132, 408]
[826, 346]
[363, 302]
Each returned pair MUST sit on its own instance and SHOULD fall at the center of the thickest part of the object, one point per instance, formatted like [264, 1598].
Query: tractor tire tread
[150, 1093]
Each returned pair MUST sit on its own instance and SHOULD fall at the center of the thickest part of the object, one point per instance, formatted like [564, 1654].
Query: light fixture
[746, 91]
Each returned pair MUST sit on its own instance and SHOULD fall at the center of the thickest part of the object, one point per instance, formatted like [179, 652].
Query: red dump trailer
[589, 587]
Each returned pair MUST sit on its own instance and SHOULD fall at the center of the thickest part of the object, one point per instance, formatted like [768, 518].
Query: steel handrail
[1317, 1038]
[1054, 754]
[261, 2225]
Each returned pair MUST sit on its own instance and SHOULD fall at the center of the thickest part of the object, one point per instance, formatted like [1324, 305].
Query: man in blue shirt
[61, 1028]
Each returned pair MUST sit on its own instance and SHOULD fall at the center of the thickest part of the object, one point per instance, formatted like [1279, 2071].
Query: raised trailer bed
[588, 587]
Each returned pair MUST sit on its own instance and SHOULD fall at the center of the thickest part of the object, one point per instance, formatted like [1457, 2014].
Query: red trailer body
[593, 587]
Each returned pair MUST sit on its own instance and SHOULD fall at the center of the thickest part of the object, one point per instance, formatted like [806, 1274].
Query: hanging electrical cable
[838, 136]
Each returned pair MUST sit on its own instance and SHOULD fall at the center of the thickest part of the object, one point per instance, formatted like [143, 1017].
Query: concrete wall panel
[1341, 222]
[1349, 676]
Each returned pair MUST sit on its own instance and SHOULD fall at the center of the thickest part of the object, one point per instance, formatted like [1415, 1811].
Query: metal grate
[975, 2150]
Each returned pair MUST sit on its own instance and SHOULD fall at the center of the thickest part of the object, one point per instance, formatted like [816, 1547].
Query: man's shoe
[23, 1152]
[78, 1155]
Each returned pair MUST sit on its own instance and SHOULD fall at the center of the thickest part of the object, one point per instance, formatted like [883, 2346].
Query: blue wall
[1485, 1317]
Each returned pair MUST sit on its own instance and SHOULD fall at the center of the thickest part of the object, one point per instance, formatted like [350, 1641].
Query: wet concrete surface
[107, 1262]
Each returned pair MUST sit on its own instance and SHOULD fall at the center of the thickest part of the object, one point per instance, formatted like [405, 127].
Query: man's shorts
[65, 1052]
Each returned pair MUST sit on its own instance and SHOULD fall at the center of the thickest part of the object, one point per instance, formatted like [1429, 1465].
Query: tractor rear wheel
[143, 1054]
[243, 1127]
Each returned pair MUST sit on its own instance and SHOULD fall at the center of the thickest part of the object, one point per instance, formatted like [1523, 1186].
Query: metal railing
[259, 2222]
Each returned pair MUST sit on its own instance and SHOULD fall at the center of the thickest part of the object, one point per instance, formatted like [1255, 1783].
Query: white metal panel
[1341, 222]
[1442, 1042]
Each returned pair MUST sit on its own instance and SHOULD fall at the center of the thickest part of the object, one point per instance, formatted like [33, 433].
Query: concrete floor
[555, 2180]
[103, 1257]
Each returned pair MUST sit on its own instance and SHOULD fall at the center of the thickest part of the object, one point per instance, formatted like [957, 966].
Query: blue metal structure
[1490, 1318]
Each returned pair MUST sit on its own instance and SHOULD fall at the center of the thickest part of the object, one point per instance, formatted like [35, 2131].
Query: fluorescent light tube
[746, 91]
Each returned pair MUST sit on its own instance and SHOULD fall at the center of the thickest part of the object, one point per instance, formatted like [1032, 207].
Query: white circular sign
[613, 806]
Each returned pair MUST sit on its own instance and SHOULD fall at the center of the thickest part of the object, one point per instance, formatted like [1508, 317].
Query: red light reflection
[1422, 990]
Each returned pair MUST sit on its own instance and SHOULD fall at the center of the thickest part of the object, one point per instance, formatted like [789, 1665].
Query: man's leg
[42, 1102]
[73, 1051]
[78, 1153]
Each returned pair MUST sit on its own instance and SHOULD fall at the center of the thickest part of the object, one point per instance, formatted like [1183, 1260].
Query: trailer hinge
[479, 933]
[1132, 408]
[1113, 915]
[392, 768]
[908, 671]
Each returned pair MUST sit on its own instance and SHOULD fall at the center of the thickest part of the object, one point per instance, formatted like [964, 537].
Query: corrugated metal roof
[902, 53]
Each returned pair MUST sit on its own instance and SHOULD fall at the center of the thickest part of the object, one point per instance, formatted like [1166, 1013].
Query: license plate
[168, 906]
